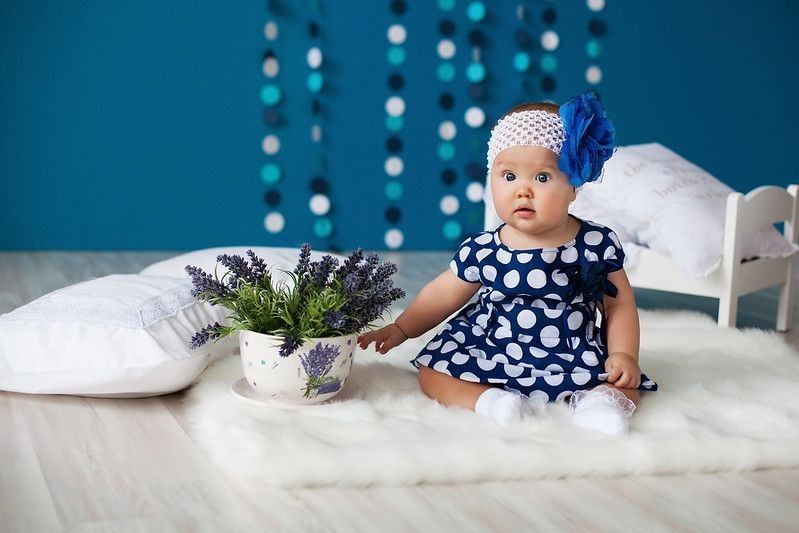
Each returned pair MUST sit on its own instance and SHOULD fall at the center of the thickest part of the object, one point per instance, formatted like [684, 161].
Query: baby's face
[530, 194]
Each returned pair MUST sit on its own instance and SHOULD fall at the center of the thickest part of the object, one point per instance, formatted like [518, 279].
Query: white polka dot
[551, 296]
[589, 358]
[472, 273]
[447, 130]
[592, 238]
[527, 339]
[550, 336]
[319, 204]
[459, 336]
[552, 313]
[489, 273]
[615, 239]
[482, 254]
[537, 278]
[468, 376]
[478, 331]
[459, 358]
[474, 192]
[575, 320]
[433, 345]
[270, 145]
[524, 258]
[424, 360]
[441, 366]
[513, 370]
[610, 251]
[396, 34]
[560, 278]
[314, 57]
[477, 353]
[550, 40]
[554, 368]
[486, 364]
[596, 5]
[549, 255]
[539, 396]
[526, 382]
[554, 380]
[274, 222]
[395, 106]
[394, 166]
[270, 31]
[483, 238]
[449, 204]
[538, 352]
[563, 395]
[500, 359]
[514, 350]
[593, 75]
[446, 49]
[474, 117]
[526, 319]
[569, 255]
[591, 256]
[511, 279]
[463, 253]
[394, 238]
[566, 356]
[580, 378]
[497, 380]
[503, 256]
[271, 67]
[449, 346]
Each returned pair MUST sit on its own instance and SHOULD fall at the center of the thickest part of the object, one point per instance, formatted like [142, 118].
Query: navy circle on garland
[446, 101]
[271, 117]
[475, 171]
[319, 185]
[316, 107]
[268, 54]
[393, 215]
[448, 176]
[313, 29]
[272, 197]
[446, 27]
[597, 27]
[523, 38]
[393, 144]
[398, 7]
[477, 38]
[477, 91]
[396, 81]
[548, 84]
[549, 15]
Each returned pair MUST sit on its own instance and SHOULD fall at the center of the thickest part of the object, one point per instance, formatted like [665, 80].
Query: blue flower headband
[581, 135]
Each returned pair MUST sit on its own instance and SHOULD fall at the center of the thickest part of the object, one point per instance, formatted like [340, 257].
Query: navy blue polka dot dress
[533, 328]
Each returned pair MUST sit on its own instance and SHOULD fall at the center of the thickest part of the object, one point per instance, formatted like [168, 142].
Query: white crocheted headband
[526, 128]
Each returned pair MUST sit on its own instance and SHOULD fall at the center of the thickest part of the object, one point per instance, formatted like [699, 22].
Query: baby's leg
[493, 402]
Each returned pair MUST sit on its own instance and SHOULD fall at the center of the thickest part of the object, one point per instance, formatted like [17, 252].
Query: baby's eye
[509, 176]
[543, 177]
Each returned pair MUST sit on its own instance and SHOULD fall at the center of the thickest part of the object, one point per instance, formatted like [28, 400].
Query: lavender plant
[325, 299]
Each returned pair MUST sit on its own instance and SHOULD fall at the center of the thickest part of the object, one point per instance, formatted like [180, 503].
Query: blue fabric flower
[589, 141]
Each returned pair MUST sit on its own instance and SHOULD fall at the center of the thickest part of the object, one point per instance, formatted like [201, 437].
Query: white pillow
[277, 259]
[116, 336]
[671, 205]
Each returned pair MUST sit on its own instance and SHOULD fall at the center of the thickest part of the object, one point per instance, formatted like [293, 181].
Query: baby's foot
[499, 405]
[602, 409]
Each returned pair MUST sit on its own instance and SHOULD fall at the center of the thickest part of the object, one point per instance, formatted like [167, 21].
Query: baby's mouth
[525, 210]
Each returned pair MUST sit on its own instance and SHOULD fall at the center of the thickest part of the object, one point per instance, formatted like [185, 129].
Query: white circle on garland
[447, 130]
[394, 166]
[271, 67]
[319, 204]
[271, 144]
[394, 238]
[314, 58]
[595, 5]
[395, 106]
[474, 117]
[270, 30]
[316, 133]
[474, 192]
[450, 204]
[396, 34]
[446, 49]
[550, 40]
[274, 222]
[593, 75]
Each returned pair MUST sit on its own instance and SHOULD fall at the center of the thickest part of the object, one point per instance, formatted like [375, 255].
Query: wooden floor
[83, 464]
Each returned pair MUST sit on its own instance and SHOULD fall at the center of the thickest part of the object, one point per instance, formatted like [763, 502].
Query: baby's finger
[614, 375]
[623, 381]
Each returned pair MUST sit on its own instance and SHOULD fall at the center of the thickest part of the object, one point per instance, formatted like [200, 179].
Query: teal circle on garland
[395, 123]
[393, 190]
[446, 151]
[315, 81]
[271, 173]
[476, 11]
[446, 72]
[270, 94]
[475, 72]
[452, 230]
[521, 61]
[323, 227]
[446, 5]
[396, 56]
[593, 48]
[549, 63]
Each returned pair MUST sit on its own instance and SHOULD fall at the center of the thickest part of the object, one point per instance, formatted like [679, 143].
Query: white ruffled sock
[602, 409]
[501, 406]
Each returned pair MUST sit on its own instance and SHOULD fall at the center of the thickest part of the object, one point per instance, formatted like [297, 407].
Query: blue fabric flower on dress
[590, 138]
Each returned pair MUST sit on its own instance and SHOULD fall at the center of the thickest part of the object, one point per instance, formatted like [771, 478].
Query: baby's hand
[623, 371]
[385, 338]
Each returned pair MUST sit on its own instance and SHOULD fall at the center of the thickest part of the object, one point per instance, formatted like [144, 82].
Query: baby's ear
[574, 194]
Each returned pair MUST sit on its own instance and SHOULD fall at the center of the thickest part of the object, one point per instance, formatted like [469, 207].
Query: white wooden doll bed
[760, 207]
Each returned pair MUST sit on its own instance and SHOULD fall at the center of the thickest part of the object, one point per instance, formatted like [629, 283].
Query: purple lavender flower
[239, 269]
[259, 267]
[204, 335]
[304, 261]
[205, 287]
[335, 319]
[290, 344]
[319, 359]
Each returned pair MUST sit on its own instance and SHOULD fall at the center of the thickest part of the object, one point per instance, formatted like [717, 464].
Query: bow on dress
[590, 280]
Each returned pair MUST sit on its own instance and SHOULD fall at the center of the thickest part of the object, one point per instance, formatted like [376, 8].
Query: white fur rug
[727, 401]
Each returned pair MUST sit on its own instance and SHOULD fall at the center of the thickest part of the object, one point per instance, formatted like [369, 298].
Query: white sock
[499, 405]
[602, 409]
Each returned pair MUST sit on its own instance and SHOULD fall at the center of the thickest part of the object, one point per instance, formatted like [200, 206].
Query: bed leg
[785, 307]
[728, 310]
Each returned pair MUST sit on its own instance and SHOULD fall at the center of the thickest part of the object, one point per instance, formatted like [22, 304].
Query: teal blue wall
[137, 125]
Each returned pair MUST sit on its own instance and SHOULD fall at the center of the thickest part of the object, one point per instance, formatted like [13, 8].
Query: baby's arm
[623, 333]
[435, 302]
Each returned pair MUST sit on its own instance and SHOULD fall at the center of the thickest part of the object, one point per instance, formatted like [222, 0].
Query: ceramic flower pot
[315, 372]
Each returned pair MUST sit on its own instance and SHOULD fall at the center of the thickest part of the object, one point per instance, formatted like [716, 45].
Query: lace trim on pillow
[602, 393]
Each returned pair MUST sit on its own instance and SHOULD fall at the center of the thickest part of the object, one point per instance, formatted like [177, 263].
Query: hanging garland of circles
[550, 41]
[522, 59]
[447, 130]
[271, 96]
[395, 121]
[593, 47]
[474, 117]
